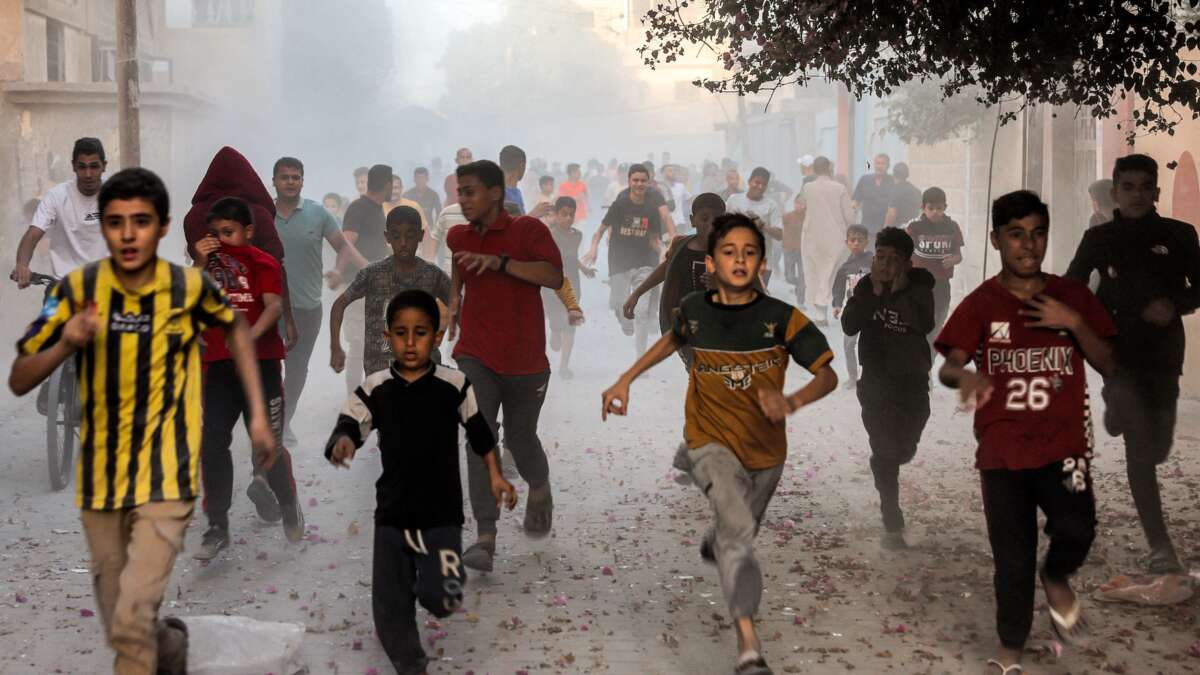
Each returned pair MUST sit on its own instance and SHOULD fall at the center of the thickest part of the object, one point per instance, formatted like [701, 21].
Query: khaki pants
[133, 551]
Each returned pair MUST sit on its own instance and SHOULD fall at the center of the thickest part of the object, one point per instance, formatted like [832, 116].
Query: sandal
[1070, 628]
[1005, 670]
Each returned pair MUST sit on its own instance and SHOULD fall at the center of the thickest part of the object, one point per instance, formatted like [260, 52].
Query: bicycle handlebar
[36, 279]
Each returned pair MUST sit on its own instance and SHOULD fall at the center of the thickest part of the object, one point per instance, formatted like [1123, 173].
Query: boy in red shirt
[253, 282]
[1028, 333]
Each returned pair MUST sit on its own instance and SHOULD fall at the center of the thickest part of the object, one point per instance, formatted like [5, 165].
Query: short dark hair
[895, 238]
[637, 168]
[414, 298]
[511, 157]
[900, 171]
[403, 215]
[573, 166]
[1017, 205]
[760, 172]
[379, 177]
[708, 200]
[420, 171]
[859, 230]
[933, 195]
[822, 166]
[334, 196]
[230, 208]
[361, 171]
[545, 179]
[1135, 162]
[1101, 191]
[88, 146]
[136, 183]
[289, 163]
[487, 171]
[565, 203]
[728, 222]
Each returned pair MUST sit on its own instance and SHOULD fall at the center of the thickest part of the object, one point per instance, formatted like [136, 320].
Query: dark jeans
[224, 403]
[308, 324]
[941, 309]
[1010, 503]
[850, 345]
[407, 566]
[521, 397]
[793, 271]
[1142, 406]
[894, 416]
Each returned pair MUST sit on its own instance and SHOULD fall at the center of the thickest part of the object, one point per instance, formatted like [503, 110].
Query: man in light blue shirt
[303, 225]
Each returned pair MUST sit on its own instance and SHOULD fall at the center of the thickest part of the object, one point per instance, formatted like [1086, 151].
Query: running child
[683, 271]
[417, 407]
[938, 242]
[845, 281]
[1028, 333]
[135, 307]
[376, 285]
[253, 282]
[736, 410]
[563, 311]
[889, 314]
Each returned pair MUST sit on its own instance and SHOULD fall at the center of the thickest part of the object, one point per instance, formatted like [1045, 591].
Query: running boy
[562, 312]
[377, 283]
[134, 307]
[1028, 333]
[892, 310]
[938, 243]
[857, 266]
[417, 407]
[736, 409]
[683, 272]
[1149, 269]
[253, 282]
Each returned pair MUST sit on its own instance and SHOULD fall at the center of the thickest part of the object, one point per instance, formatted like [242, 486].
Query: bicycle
[62, 409]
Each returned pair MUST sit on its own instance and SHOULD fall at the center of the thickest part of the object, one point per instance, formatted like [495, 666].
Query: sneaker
[479, 556]
[172, 647]
[264, 500]
[539, 511]
[215, 538]
[1164, 560]
[893, 541]
[293, 521]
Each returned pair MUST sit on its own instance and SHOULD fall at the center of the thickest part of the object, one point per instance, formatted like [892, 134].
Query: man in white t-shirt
[69, 214]
[754, 202]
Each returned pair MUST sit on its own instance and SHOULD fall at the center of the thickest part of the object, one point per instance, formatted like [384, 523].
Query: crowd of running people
[170, 357]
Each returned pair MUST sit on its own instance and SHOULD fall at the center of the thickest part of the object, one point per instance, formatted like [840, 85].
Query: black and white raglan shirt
[418, 439]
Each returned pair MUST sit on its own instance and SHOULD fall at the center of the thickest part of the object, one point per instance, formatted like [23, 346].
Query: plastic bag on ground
[1168, 589]
[238, 645]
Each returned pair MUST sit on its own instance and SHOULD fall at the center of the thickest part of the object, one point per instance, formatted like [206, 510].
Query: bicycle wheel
[61, 421]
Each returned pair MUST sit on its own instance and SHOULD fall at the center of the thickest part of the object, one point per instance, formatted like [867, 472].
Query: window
[55, 52]
[222, 13]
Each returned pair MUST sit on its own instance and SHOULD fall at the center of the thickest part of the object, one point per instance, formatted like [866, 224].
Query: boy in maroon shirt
[253, 281]
[1028, 333]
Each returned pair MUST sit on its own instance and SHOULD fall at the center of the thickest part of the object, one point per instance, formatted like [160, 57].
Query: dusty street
[620, 587]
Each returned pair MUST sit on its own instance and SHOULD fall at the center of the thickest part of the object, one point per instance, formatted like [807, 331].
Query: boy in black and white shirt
[417, 407]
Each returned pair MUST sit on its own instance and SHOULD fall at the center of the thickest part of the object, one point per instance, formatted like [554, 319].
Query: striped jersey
[739, 350]
[139, 380]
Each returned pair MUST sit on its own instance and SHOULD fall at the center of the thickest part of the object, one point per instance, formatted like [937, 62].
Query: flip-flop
[757, 666]
[1005, 670]
[1070, 627]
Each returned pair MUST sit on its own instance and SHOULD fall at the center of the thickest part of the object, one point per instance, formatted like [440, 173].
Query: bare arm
[974, 390]
[615, 399]
[594, 247]
[337, 357]
[1047, 312]
[668, 221]
[536, 272]
[824, 381]
[25, 248]
[272, 310]
[241, 347]
[343, 245]
[30, 370]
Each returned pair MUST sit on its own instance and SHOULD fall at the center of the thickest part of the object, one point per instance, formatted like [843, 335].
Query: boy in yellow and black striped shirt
[132, 322]
[735, 413]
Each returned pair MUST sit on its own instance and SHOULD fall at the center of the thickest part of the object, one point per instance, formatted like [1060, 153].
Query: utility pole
[128, 89]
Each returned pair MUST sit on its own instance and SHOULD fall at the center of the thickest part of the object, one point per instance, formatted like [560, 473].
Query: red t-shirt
[1039, 412]
[501, 320]
[577, 191]
[245, 273]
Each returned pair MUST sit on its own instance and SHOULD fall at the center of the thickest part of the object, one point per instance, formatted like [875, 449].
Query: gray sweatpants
[521, 397]
[739, 498]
